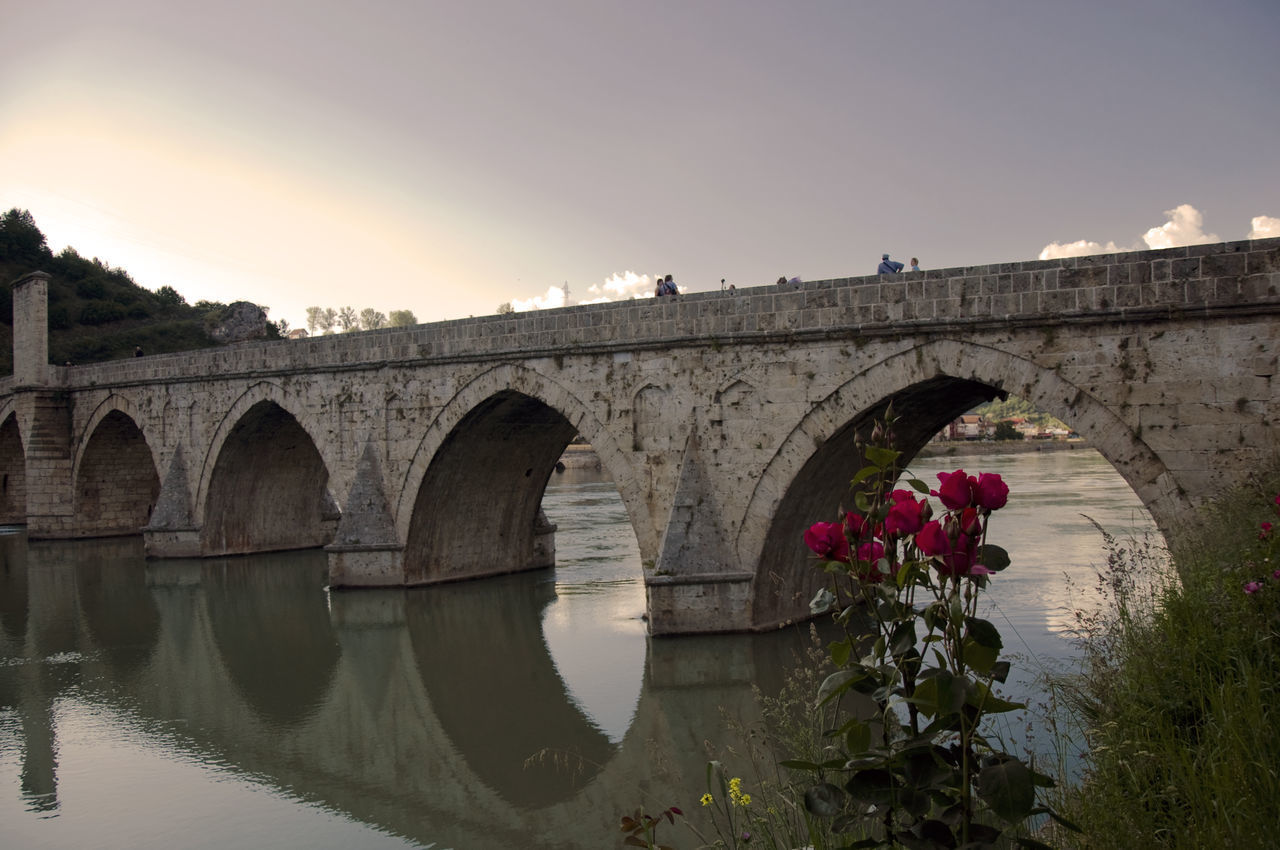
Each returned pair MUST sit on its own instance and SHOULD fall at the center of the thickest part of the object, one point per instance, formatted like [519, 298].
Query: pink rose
[1265, 532]
[857, 524]
[868, 555]
[951, 558]
[955, 491]
[827, 541]
[990, 492]
[1252, 586]
[907, 515]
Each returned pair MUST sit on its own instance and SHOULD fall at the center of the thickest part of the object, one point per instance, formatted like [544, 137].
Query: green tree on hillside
[20, 239]
[402, 319]
[1006, 431]
[347, 319]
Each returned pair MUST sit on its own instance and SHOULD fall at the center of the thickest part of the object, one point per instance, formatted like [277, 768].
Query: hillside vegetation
[1014, 407]
[97, 312]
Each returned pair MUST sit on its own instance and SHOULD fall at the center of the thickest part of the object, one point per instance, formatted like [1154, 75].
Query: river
[236, 703]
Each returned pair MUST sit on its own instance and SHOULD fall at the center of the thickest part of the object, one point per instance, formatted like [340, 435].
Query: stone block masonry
[728, 421]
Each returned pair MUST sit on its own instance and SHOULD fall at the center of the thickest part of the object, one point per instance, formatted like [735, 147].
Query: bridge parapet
[1128, 286]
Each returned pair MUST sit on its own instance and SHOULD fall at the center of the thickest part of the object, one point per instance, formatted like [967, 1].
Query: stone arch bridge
[728, 421]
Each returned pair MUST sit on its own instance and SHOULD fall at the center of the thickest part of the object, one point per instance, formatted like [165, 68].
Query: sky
[447, 157]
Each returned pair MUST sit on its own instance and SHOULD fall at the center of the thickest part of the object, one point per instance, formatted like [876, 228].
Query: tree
[314, 317]
[347, 319]
[328, 317]
[1006, 431]
[504, 308]
[169, 297]
[20, 239]
[402, 319]
[371, 319]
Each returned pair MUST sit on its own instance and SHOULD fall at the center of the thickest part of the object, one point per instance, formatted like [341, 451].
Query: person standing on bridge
[888, 266]
[915, 264]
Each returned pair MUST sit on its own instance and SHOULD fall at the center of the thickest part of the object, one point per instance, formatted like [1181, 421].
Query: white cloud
[554, 297]
[1264, 227]
[1184, 227]
[1079, 248]
[619, 287]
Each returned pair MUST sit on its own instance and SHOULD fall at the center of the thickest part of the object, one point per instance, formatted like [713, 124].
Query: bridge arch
[13, 468]
[463, 459]
[928, 385]
[264, 481]
[114, 473]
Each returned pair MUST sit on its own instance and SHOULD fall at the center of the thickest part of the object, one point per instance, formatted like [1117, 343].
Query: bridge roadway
[728, 421]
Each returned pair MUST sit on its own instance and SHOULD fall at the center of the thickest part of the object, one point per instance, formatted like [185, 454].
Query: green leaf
[837, 683]
[980, 696]
[800, 764]
[824, 800]
[822, 602]
[903, 639]
[873, 786]
[1061, 821]
[840, 651]
[984, 632]
[940, 694]
[1006, 787]
[978, 657]
[881, 457]
[857, 737]
[918, 485]
[993, 557]
[863, 474]
[999, 671]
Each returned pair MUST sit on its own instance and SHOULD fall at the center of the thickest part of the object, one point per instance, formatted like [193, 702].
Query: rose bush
[909, 765]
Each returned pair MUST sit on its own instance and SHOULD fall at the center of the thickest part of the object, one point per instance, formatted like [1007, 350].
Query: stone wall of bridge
[726, 420]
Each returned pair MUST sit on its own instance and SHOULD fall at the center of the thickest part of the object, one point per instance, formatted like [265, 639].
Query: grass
[1178, 690]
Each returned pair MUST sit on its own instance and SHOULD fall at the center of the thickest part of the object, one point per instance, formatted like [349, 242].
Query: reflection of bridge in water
[410, 710]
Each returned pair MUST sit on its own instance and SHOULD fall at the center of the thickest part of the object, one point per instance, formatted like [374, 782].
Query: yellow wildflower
[706, 799]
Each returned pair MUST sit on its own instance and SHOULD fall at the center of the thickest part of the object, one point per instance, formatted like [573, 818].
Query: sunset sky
[448, 157]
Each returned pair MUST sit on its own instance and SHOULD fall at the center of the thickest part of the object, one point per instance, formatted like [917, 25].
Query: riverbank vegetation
[96, 311]
[1166, 722]
[1178, 693]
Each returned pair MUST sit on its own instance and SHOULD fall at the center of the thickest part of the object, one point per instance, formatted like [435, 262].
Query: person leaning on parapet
[915, 264]
[888, 266]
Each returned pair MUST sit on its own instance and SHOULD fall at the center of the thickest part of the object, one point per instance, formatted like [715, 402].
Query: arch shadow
[116, 481]
[13, 471]
[470, 504]
[928, 386]
[268, 489]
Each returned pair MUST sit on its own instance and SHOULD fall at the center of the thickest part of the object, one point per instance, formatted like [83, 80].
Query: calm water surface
[235, 703]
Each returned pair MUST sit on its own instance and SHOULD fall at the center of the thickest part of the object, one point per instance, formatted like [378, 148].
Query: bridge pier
[356, 565]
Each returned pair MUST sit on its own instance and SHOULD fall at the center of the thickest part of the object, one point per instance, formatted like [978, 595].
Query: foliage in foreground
[902, 757]
[1178, 688]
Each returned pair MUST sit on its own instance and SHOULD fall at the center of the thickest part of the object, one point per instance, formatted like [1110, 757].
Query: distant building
[970, 426]
[297, 333]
